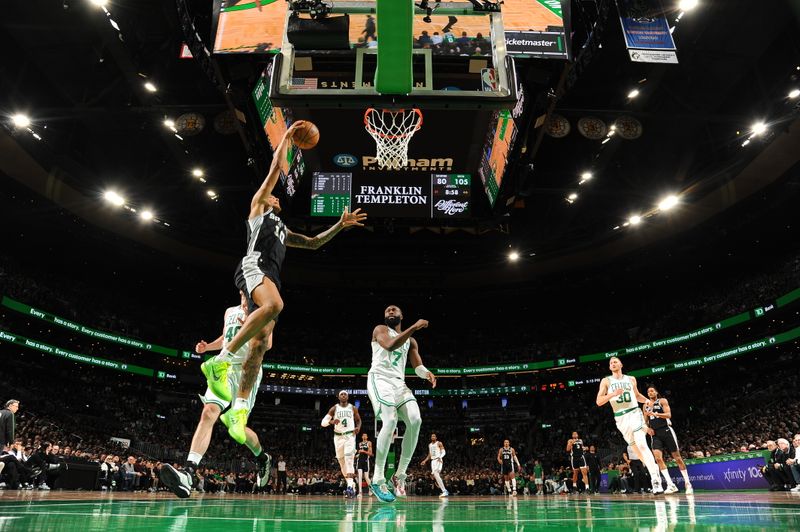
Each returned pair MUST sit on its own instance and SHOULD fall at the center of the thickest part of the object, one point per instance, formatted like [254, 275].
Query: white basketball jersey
[345, 417]
[627, 400]
[433, 448]
[234, 319]
[391, 364]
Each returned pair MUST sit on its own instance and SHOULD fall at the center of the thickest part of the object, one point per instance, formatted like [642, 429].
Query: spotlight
[513, 256]
[745, 143]
[99, 3]
[759, 128]
[573, 196]
[635, 219]
[146, 215]
[586, 176]
[668, 202]
[794, 93]
[197, 172]
[21, 120]
[150, 87]
[633, 94]
[114, 198]
[168, 122]
[687, 5]
[211, 193]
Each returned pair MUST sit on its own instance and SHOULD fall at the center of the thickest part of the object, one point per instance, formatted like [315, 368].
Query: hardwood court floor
[244, 30]
[95, 511]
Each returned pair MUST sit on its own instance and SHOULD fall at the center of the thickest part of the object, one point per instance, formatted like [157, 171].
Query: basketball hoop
[392, 130]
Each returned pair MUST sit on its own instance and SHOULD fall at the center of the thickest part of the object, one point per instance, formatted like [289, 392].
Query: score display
[407, 196]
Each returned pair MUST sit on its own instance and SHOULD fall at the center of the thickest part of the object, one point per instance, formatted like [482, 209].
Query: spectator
[436, 39]
[777, 471]
[464, 41]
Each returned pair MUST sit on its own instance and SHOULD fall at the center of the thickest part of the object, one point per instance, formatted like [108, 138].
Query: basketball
[306, 136]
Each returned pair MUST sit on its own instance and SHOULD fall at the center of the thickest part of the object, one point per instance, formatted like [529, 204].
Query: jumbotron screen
[532, 28]
[418, 196]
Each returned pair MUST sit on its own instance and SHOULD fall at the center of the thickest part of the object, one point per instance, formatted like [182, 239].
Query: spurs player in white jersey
[181, 482]
[436, 453]
[346, 424]
[621, 392]
[390, 397]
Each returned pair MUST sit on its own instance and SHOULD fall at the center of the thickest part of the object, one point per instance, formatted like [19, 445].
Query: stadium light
[635, 219]
[513, 256]
[168, 122]
[687, 5]
[586, 176]
[150, 87]
[211, 193]
[573, 196]
[745, 143]
[794, 93]
[759, 128]
[146, 215]
[198, 172]
[114, 198]
[668, 202]
[633, 94]
[99, 3]
[21, 120]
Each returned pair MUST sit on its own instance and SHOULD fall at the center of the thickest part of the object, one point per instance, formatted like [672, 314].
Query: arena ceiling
[80, 73]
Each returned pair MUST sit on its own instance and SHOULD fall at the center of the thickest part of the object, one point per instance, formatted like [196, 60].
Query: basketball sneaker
[382, 492]
[672, 488]
[217, 378]
[237, 420]
[444, 494]
[514, 493]
[657, 489]
[179, 482]
[264, 469]
[689, 489]
[399, 486]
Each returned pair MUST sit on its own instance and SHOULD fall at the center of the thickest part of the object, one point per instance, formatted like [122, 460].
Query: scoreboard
[408, 196]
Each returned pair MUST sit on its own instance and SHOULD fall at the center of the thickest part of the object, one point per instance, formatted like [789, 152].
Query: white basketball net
[392, 130]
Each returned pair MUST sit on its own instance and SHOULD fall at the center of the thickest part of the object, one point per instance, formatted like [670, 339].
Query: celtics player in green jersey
[390, 397]
[180, 482]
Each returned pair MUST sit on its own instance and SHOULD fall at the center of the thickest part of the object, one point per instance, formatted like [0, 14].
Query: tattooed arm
[348, 219]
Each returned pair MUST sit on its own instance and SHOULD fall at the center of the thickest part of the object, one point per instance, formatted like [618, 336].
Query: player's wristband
[422, 372]
[326, 421]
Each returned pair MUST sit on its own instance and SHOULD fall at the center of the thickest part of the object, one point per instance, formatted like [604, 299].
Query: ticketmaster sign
[536, 43]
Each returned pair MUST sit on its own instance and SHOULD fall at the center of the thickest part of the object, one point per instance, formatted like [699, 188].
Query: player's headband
[343, 392]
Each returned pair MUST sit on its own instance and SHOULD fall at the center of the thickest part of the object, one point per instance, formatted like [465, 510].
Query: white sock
[240, 403]
[439, 482]
[360, 478]
[350, 483]
[685, 475]
[514, 484]
[223, 356]
[665, 474]
[646, 456]
[194, 457]
[508, 486]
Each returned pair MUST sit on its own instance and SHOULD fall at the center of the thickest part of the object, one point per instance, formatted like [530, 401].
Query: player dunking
[621, 391]
[258, 276]
[346, 424]
[661, 436]
[390, 397]
[180, 482]
[436, 453]
[362, 460]
[509, 465]
[577, 461]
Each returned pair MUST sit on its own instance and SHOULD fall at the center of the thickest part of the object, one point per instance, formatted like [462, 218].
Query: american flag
[304, 83]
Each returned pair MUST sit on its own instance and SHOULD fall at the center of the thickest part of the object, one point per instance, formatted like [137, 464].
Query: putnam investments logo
[413, 165]
[345, 160]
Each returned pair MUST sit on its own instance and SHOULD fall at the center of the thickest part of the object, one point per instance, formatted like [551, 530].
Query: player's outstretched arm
[357, 418]
[203, 346]
[348, 219]
[381, 335]
[265, 190]
[416, 362]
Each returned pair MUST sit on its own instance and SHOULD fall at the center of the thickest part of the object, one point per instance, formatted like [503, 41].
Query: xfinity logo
[415, 165]
[345, 160]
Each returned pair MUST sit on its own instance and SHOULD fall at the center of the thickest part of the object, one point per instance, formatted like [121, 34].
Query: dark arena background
[590, 183]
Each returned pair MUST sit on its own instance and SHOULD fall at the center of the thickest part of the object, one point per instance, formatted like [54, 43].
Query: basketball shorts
[250, 273]
[577, 462]
[385, 392]
[345, 445]
[630, 422]
[234, 377]
[362, 464]
[538, 481]
[664, 439]
[507, 469]
[436, 466]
